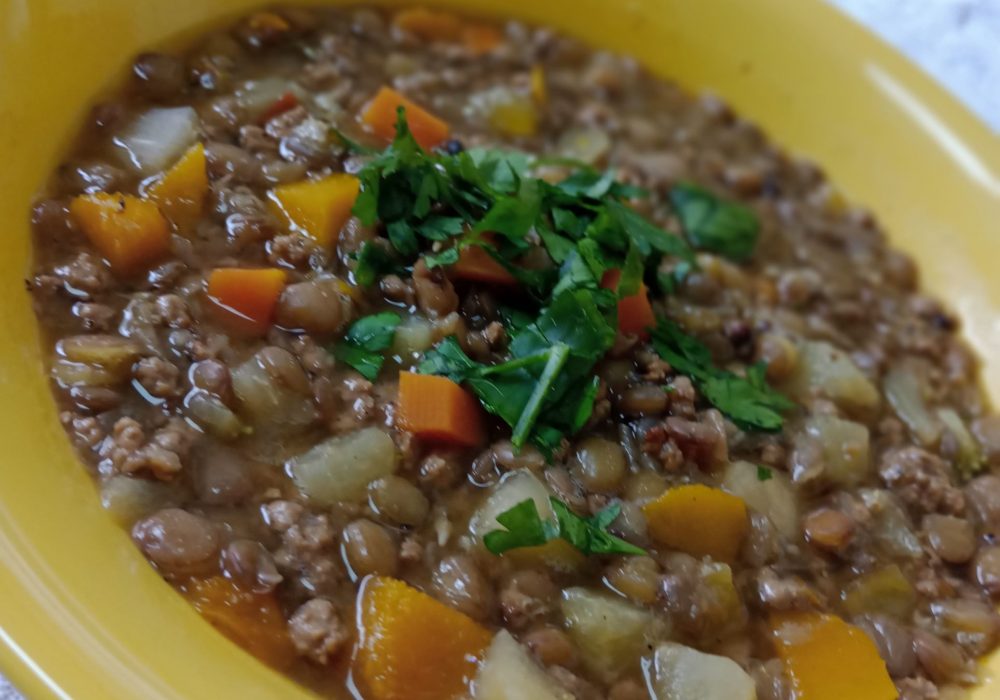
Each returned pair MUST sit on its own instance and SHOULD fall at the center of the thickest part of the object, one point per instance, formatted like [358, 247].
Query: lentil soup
[432, 358]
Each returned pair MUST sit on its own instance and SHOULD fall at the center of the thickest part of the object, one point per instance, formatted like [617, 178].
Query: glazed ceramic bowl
[83, 616]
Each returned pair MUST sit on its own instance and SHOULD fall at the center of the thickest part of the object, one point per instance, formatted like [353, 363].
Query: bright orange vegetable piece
[180, 193]
[245, 298]
[316, 208]
[480, 39]
[429, 25]
[475, 264]
[635, 313]
[828, 659]
[128, 231]
[413, 647]
[699, 520]
[436, 408]
[380, 116]
[253, 621]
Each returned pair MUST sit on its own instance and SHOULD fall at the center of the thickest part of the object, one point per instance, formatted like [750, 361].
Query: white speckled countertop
[956, 41]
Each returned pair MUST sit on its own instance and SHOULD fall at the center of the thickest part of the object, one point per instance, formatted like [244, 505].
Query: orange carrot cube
[635, 313]
[437, 409]
[245, 299]
[380, 117]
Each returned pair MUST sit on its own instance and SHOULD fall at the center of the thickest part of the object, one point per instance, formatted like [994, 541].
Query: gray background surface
[956, 41]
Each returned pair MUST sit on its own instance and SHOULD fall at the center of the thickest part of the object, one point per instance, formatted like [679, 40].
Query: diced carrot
[635, 313]
[252, 620]
[475, 264]
[413, 647]
[437, 409]
[316, 208]
[699, 520]
[828, 659]
[281, 105]
[180, 193]
[429, 25]
[481, 39]
[128, 231]
[380, 117]
[539, 87]
[245, 298]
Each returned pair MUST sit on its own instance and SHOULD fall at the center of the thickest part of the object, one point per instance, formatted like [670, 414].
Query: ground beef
[157, 376]
[921, 480]
[317, 631]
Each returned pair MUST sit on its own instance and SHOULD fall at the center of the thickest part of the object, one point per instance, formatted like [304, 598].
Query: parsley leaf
[526, 528]
[365, 341]
[748, 401]
[764, 474]
[374, 261]
[711, 223]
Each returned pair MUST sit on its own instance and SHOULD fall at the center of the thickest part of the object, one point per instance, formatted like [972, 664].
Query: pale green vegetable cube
[825, 371]
[612, 634]
[509, 673]
[340, 469]
[682, 673]
[773, 497]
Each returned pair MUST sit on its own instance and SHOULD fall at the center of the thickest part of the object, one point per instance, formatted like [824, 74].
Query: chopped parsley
[748, 400]
[363, 345]
[713, 224]
[764, 474]
[526, 528]
[434, 204]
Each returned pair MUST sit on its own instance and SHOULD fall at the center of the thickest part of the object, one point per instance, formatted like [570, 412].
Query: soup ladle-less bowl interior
[83, 616]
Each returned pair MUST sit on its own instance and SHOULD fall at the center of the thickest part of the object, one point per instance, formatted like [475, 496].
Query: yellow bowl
[82, 616]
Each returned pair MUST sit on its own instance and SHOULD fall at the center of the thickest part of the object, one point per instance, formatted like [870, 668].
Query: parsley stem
[558, 354]
[535, 359]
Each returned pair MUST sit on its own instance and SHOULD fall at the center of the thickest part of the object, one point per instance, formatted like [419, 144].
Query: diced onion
[157, 138]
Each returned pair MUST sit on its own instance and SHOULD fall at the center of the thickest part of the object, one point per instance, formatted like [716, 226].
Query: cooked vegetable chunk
[180, 192]
[412, 647]
[316, 208]
[128, 231]
[341, 468]
[699, 520]
[682, 672]
[246, 298]
[828, 659]
[437, 409]
[380, 117]
[508, 673]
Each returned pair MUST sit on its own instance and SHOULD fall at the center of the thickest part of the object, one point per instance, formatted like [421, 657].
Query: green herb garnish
[748, 401]
[363, 345]
[526, 528]
[711, 223]
[764, 474]
[547, 387]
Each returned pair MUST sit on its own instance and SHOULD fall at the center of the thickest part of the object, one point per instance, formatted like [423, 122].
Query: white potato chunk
[682, 673]
[515, 487]
[612, 634]
[844, 446]
[773, 497]
[508, 673]
[340, 469]
[827, 371]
